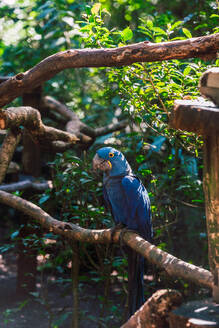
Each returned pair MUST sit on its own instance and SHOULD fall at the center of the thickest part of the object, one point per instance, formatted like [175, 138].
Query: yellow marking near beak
[110, 164]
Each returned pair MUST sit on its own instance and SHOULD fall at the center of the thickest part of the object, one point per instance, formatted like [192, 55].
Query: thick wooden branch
[172, 265]
[7, 149]
[155, 311]
[201, 47]
[30, 118]
[200, 117]
[26, 184]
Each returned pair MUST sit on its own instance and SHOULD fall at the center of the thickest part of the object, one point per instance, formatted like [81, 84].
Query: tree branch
[111, 128]
[172, 265]
[74, 125]
[27, 184]
[204, 46]
[7, 150]
[30, 118]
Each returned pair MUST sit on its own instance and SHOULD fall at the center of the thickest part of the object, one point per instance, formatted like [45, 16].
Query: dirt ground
[17, 312]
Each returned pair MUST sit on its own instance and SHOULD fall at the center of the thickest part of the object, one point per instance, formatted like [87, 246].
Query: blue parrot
[128, 200]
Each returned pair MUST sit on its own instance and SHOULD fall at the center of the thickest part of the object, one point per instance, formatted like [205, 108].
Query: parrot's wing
[107, 201]
[138, 212]
[131, 188]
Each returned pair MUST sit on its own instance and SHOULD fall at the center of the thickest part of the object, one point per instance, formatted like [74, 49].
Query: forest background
[168, 162]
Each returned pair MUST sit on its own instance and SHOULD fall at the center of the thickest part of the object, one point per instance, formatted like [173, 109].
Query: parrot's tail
[135, 281]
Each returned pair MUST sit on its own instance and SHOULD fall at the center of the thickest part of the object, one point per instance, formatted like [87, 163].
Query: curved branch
[172, 265]
[127, 55]
[52, 104]
[111, 128]
[85, 133]
[7, 150]
[30, 118]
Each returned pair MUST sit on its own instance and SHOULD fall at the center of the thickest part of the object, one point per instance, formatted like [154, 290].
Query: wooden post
[211, 189]
[202, 117]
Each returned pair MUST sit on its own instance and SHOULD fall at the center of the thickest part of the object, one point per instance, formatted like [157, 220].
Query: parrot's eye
[111, 155]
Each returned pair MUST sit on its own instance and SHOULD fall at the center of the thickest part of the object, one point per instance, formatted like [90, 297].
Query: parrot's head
[111, 161]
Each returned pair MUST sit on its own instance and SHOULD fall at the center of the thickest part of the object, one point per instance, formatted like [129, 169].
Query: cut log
[196, 314]
[198, 116]
[154, 312]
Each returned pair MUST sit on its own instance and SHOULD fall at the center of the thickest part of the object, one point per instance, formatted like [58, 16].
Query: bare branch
[60, 146]
[26, 184]
[85, 133]
[111, 128]
[55, 105]
[204, 46]
[7, 150]
[30, 118]
[74, 125]
[172, 265]
[154, 312]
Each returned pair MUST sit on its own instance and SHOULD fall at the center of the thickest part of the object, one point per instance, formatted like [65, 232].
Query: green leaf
[187, 32]
[176, 24]
[43, 199]
[158, 30]
[96, 8]
[127, 34]
[187, 70]
[214, 16]
[149, 23]
[116, 100]
[14, 234]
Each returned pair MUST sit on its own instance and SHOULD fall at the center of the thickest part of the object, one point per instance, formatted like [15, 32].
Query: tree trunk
[31, 160]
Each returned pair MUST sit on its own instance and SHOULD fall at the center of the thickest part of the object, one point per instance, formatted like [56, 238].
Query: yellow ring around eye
[110, 164]
[111, 155]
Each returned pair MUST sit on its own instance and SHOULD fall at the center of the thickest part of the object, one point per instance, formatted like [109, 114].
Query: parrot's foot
[65, 226]
[114, 229]
[124, 230]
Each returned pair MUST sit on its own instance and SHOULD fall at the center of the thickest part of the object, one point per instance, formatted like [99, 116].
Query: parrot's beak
[101, 164]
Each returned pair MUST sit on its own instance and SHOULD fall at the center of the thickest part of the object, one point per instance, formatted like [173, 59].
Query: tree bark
[7, 149]
[172, 265]
[204, 46]
[154, 312]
